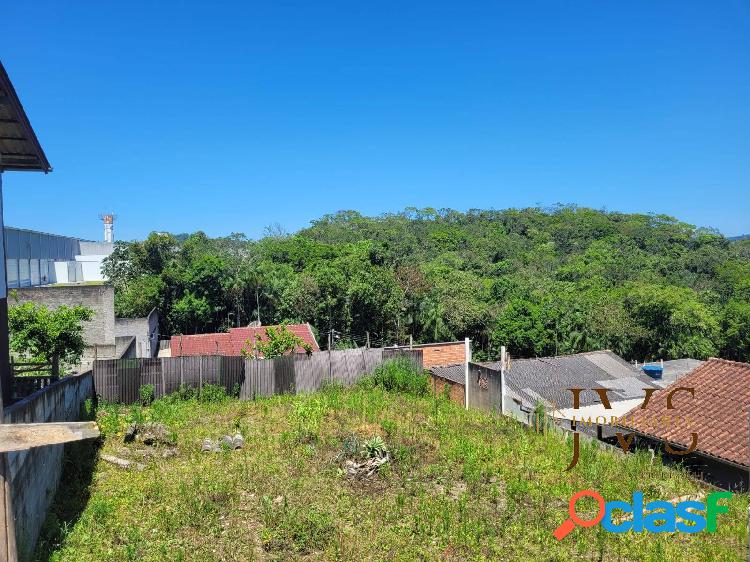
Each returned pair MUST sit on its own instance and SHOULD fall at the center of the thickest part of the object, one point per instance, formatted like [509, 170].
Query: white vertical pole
[502, 379]
[467, 358]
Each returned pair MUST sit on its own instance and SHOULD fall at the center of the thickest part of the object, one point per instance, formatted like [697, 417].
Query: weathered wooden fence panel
[151, 374]
[311, 370]
[128, 379]
[231, 373]
[413, 355]
[171, 372]
[105, 380]
[259, 379]
[347, 366]
[373, 358]
[284, 375]
[120, 380]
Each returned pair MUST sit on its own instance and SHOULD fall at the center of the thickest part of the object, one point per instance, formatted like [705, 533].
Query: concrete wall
[91, 268]
[35, 473]
[434, 354]
[145, 330]
[91, 248]
[99, 332]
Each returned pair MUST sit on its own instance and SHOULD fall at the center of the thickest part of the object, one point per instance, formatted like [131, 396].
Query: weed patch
[295, 530]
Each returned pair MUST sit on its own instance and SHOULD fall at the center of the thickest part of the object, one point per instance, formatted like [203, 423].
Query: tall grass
[398, 375]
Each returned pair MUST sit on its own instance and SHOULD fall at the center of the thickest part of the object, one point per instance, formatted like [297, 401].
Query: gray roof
[453, 373]
[548, 379]
[676, 368]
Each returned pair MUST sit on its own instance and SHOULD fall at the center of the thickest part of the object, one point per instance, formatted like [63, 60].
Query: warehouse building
[38, 258]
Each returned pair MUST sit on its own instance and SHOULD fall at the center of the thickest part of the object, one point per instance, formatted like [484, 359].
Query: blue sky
[231, 116]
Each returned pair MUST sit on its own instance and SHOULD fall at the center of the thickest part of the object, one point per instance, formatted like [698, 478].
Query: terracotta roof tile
[718, 411]
[231, 343]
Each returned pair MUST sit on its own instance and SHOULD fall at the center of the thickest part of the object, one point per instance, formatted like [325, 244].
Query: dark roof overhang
[19, 147]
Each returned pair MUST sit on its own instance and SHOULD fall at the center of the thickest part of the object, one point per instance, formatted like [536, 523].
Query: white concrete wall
[92, 267]
[61, 272]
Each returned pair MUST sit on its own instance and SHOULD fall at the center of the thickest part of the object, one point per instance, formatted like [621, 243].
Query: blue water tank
[653, 371]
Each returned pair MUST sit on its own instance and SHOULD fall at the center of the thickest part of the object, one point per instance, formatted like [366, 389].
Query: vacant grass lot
[460, 486]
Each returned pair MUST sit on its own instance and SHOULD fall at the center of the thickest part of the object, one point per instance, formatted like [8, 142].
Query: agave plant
[375, 448]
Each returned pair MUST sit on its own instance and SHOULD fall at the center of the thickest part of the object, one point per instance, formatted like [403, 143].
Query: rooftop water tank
[653, 371]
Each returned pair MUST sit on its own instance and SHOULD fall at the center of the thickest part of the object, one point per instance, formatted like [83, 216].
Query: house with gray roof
[547, 380]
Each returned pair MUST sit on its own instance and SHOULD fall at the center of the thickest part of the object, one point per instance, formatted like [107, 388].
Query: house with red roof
[235, 340]
[701, 420]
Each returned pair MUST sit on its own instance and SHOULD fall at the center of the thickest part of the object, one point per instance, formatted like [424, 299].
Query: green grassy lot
[460, 486]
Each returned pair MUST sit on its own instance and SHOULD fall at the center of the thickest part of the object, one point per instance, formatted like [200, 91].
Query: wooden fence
[120, 380]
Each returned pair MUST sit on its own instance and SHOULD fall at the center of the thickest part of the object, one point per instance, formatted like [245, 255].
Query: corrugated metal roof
[454, 373]
[675, 369]
[551, 377]
[19, 147]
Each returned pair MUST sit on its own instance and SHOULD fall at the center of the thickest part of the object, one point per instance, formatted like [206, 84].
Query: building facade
[37, 258]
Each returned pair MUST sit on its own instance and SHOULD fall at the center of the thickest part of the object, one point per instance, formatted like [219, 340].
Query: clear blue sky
[229, 117]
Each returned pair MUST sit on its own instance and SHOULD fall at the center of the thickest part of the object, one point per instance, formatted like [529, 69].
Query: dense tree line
[541, 281]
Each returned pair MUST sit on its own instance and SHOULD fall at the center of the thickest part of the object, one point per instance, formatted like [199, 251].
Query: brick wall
[35, 473]
[434, 354]
[455, 390]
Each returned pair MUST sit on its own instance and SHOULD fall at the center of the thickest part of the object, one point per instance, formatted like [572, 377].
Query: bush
[147, 393]
[212, 393]
[209, 393]
[399, 375]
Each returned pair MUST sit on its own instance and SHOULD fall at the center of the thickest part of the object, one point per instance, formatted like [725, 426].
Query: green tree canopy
[41, 334]
[539, 280]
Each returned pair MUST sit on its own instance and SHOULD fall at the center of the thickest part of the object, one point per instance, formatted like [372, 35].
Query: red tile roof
[718, 412]
[231, 343]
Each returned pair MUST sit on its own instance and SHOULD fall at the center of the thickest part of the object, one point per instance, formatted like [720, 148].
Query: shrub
[400, 375]
[212, 393]
[147, 393]
[209, 393]
[541, 422]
